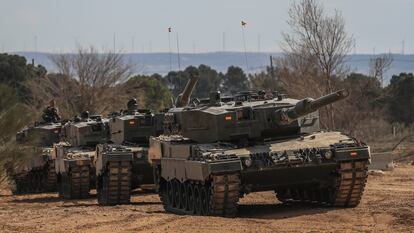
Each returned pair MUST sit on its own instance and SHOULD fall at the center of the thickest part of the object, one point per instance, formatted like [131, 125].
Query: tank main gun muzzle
[308, 105]
[184, 98]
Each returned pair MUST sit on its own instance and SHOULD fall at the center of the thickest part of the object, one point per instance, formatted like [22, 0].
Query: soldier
[84, 115]
[51, 113]
[132, 105]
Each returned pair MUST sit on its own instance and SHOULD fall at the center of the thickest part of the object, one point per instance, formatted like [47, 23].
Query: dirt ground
[387, 206]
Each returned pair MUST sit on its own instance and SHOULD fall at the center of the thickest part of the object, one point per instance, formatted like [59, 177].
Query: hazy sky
[141, 26]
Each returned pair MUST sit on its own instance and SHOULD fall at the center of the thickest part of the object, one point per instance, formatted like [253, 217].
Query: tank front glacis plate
[67, 157]
[111, 152]
[77, 162]
[317, 148]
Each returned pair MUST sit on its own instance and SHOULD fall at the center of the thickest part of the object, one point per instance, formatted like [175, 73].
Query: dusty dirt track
[387, 206]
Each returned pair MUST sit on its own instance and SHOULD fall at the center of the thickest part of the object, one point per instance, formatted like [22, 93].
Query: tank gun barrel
[308, 105]
[184, 98]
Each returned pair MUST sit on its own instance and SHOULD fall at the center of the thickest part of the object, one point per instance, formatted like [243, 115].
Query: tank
[214, 151]
[123, 164]
[37, 174]
[75, 155]
[74, 169]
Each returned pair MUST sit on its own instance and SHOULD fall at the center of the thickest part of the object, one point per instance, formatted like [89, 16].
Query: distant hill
[149, 63]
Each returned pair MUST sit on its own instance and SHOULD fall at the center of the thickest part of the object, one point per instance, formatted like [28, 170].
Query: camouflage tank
[124, 165]
[74, 156]
[215, 151]
[37, 174]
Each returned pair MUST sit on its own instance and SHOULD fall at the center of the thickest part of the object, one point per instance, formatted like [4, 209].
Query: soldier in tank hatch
[132, 106]
[51, 113]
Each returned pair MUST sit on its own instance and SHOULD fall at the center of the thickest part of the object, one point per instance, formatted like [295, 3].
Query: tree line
[33, 86]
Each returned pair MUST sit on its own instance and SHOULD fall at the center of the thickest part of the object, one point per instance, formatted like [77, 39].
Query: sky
[378, 26]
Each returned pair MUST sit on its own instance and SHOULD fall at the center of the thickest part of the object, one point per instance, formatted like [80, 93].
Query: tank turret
[85, 130]
[135, 126]
[43, 133]
[245, 117]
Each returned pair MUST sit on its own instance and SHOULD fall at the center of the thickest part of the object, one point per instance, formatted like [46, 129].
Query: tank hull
[327, 164]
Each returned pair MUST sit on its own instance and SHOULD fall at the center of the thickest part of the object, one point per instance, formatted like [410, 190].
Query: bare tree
[299, 75]
[317, 35]
[379, 65]
[97, 74]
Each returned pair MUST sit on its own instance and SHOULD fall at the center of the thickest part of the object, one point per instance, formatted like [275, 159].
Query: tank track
[346, 191]
[217, 197]
[35, 181]
[76, 183]
[114, 185]
[351, 184]
[51, 179]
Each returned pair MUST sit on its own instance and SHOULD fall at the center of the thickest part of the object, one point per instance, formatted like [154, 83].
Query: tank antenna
[243, 26]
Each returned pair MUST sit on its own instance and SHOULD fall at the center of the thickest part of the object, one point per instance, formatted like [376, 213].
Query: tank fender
[352, 153]
[183, 169]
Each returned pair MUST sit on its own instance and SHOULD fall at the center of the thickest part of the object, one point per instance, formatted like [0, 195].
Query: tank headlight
[248, 162]
[328, 154]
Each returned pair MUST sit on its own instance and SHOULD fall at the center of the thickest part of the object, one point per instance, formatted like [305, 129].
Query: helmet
[132, 104]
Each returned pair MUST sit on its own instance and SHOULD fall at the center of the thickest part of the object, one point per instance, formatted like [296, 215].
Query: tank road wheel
[156, 173]
[162, 192]
[224, 194]
[170, 194]
[350, 184]
[41, 179]
[30, 182]
[177, 194]
[51, 177]
[102, 189]
[282, 195]
[217, 196]
[14, 185]
[190, 197]
[60, 186]
[197, 200]
[33, 182]
[18, 184]
[184, 196]
[76, 183]
[114, 185]
[205, 200]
